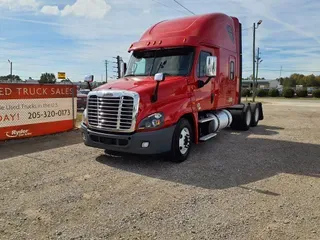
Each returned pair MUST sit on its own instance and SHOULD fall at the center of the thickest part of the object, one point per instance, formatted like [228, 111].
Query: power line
[289, 70]
[46, 22]
[244, 29]
[169, 7]
[48, 62]
[298, 70]
[184, 7]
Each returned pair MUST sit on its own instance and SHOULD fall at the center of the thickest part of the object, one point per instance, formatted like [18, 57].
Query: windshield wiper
[161, 65]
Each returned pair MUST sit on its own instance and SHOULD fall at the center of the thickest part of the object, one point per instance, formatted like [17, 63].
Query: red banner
[28, 110]
[32, 91]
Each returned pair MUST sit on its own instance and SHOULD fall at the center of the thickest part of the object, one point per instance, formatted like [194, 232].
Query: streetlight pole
[10, 70]
[253, 63]
[254, 80]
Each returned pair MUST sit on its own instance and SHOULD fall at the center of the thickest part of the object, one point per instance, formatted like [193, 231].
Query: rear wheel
[255, 116]
[246, 121]
[181, 141]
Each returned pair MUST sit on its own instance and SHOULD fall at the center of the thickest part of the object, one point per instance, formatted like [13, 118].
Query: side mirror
[211, 66]
[89, 78]
[159, 77]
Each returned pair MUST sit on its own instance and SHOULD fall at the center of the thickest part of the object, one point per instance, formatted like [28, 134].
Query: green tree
[297, 77]
[310, 81]
[300, 79]
[47, 78]
[15, 78]
[317, 82]
[288, 93]
[289, 82]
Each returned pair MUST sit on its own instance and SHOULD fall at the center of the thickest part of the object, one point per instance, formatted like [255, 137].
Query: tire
[255, 116]
[181, 141]
[246, 119]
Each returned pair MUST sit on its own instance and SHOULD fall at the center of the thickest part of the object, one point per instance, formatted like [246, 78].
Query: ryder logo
[18, 133]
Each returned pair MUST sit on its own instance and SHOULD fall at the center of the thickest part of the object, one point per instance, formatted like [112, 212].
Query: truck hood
[174, 87]
[145, 86]
[136, 84]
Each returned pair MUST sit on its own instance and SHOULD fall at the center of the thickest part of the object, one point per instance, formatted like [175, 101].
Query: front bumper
[159, 140]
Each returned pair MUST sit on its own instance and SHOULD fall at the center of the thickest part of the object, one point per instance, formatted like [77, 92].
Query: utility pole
[280, 71]
[258, 62]
[10, 70]
[254, 59]
[118, 66]
[106, 64]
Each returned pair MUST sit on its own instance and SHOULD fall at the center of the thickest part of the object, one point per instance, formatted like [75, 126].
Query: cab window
[231, 70]
[201, 68]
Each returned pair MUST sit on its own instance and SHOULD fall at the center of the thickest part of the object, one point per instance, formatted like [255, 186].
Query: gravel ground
[260, 184]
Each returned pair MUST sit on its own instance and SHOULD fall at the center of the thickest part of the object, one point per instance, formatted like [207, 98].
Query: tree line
[291, 81]
[14, 78]
[44, 78]
[300, 79]
[47, 78]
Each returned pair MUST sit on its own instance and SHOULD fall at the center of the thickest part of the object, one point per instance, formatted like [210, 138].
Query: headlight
[85, 117]
[153, 121]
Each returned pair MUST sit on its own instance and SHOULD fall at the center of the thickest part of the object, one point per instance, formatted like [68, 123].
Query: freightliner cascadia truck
[182, 86]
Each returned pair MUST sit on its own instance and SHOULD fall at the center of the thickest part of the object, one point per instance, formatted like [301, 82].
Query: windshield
[84, 91]
[175, 61]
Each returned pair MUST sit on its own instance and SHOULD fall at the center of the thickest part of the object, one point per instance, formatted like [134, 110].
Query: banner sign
[28, 110]
[61, 75]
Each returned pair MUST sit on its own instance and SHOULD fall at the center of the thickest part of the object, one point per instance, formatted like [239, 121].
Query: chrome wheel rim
[248, 117]
[184, 141]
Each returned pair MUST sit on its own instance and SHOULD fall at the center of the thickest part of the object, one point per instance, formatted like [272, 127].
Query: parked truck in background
[182, 86]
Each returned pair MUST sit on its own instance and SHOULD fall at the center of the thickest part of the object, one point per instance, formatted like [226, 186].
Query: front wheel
[181, 141]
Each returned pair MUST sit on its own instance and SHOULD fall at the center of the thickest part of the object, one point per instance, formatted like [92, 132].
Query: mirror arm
[204, 83]
[154, 96]
[89, 86]
[208, 80]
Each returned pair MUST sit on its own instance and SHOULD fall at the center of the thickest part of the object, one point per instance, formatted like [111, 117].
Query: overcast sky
[76, 36]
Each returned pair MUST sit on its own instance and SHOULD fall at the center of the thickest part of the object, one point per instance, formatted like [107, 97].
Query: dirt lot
[261, 184]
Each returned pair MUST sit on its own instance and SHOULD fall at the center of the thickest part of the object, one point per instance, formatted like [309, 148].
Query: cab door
[203, 95]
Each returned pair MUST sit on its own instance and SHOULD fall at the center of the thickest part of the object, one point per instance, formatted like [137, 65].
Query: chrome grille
[113, 110]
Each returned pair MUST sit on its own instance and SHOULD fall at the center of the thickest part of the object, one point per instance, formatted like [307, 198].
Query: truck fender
[192, 118]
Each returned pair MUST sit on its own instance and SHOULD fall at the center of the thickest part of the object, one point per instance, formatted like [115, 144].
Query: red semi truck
[182, 86]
